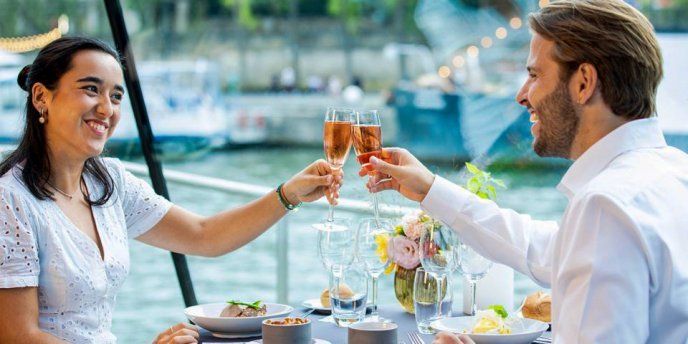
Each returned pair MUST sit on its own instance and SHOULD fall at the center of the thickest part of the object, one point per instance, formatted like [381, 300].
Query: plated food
[522, 330]
[238, 309]
[208, 316]
[287, 321]
[492, 321]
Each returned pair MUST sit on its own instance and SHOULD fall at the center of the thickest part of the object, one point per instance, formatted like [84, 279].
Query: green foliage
[482, 183]
[254, 305]
[349, 11]
[499, 309]
[245, 12]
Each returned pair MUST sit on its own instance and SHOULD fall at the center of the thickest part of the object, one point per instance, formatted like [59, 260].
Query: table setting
[420, 251]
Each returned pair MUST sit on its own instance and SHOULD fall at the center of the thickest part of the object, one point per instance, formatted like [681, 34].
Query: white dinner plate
[317, 305]
[523, 331]
[208, 316]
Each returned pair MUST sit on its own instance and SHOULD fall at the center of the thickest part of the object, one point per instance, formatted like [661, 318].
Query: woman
[66, 213]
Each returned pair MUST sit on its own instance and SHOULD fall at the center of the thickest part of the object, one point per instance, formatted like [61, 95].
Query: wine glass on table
[367, 140]
[370, 237]
[335, 247]
[337, 144]
[436, 246]
[474, 267]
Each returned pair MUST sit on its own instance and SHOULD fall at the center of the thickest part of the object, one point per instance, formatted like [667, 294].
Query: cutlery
[543, 340]
[415, 338]
[307, 313]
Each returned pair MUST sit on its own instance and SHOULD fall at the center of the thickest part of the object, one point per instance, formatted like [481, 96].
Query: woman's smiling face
[84, 109]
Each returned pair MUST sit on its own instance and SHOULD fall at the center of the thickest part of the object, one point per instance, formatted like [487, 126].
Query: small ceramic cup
[373, 333]
[286, 333]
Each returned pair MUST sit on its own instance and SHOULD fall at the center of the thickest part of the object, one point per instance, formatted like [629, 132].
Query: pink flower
[404, 252]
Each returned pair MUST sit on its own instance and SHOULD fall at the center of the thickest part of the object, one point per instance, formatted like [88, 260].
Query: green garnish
[481, 183]
[255, 305]
[499, 309]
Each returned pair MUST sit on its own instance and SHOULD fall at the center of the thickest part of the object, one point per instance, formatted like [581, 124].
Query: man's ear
[40, 96]
[584, 83]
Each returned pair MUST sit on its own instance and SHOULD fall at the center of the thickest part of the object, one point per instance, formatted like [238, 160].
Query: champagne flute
[437, 255]
[337, 142]
[474, 267]
[368, 238]
[367, 140]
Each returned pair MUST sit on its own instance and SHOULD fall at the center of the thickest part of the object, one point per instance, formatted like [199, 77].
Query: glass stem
[438, 286]
[474, 306]
[330, 214]
[376, 209]
[374, 311]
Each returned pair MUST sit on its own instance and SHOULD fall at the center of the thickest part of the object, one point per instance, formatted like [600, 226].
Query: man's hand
[450, 338]
[399, 170]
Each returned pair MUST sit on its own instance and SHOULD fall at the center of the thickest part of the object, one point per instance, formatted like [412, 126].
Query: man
[617, 261]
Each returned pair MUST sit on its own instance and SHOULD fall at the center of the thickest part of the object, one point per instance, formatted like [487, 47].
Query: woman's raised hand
[316, 180]
[181, 333]
[399, 170]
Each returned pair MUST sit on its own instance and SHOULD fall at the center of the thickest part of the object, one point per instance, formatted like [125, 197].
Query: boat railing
[245, 189]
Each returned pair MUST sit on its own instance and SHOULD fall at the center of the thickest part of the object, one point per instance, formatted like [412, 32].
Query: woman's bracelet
[288, 206]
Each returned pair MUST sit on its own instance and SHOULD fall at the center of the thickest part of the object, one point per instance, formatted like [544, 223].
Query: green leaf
[254, 305]
[473, 185]
[472, 168]
[499, 309]
[491, 192]
[499, 183]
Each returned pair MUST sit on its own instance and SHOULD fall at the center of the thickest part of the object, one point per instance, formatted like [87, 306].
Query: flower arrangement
[404, 250]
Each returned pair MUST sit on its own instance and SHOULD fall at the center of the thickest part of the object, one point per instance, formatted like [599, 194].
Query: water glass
[425, 299]
[348, 295]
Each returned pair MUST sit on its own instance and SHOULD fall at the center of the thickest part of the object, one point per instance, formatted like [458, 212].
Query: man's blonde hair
[615, 38]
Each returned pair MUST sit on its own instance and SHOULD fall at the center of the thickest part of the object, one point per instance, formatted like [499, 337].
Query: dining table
[326, 331]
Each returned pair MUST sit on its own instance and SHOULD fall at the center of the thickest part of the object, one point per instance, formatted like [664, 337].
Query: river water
[150, 301]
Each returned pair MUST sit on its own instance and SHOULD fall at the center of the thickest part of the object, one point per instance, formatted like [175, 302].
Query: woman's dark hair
[52, 62]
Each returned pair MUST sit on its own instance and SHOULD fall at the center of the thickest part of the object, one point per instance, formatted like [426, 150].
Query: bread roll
[325, 298]
[538, 306]
[345, 292]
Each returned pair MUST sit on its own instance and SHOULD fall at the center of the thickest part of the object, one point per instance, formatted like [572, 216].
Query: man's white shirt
[617, 261]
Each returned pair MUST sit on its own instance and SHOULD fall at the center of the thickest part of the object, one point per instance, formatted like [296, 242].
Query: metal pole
[121, 37]
[282, 256]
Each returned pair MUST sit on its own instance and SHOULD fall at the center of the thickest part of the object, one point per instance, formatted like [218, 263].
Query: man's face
[554, 116]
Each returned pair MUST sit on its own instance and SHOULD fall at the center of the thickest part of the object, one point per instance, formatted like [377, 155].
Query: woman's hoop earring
[41, 119]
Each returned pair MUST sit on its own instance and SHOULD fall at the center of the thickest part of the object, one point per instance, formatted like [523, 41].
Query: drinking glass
[425, 301]
[437, 244]
[334, 246]
[337, 144]
[337, 141]
[367, 140]
[369, 240]
[348, 295]
[474, 267]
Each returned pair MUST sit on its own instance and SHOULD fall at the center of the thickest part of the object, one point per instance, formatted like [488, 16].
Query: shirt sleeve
[19, 265]
[603, 285]
[142, 207]
[502, 235]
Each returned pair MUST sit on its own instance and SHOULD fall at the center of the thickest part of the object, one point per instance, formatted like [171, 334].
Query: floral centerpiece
[404, 248]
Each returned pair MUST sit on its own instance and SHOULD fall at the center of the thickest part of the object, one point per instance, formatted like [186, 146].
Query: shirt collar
[636, 134]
